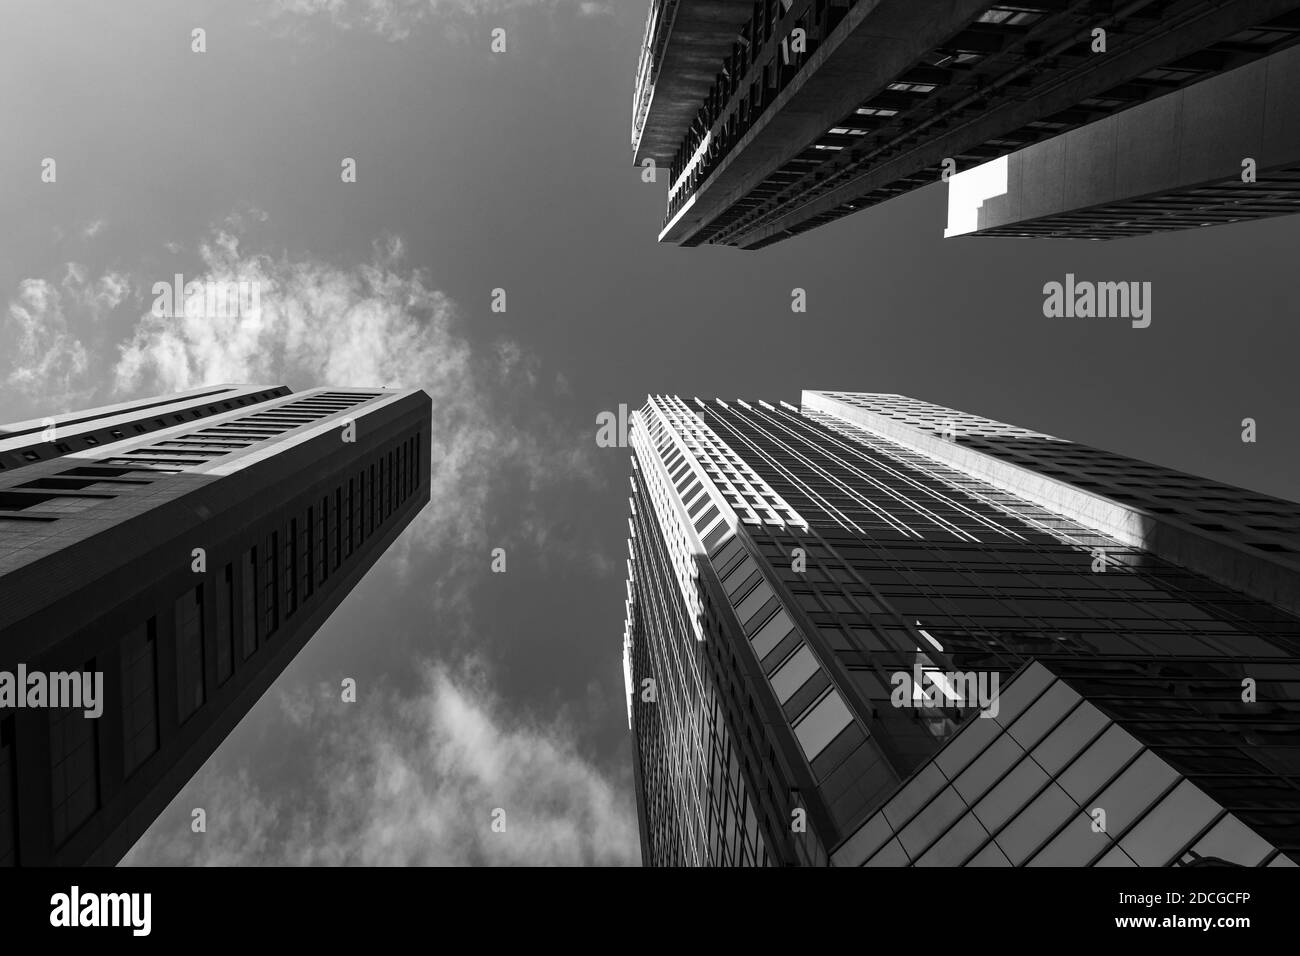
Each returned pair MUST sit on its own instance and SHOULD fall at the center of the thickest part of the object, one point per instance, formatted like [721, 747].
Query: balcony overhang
[700, 34]
[1175, 162]
[869, 49]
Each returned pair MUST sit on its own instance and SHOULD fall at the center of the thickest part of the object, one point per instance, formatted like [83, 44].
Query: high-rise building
[1224, 150]
[872, 630]
[176, 553]
[773, 117]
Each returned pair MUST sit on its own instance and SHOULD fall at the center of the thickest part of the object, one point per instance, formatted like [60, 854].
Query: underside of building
[778, 116]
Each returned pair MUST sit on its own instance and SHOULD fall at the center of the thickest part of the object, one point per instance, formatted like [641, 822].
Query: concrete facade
[1173, 163]
[101, 575]
[684, 41]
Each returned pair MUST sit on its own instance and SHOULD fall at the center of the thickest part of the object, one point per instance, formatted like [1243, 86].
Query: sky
[477, 171]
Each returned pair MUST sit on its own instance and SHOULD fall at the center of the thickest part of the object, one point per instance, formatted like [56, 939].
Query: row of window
[198, 447]
[91, 439]
[268, 584]
[194, 448]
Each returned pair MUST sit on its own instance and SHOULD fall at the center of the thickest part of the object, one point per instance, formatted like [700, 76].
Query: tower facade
[1224, 150]
[773, 117]
[872, 630]
[161, 562]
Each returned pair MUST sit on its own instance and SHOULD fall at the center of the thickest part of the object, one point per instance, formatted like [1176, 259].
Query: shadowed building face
[814, 109]
[183, 550]
[875, 630]
[1224, 150]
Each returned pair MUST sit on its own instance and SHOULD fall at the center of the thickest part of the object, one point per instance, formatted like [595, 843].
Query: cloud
[375, 325]
[408, 781]
[396, 19]
[48, 360]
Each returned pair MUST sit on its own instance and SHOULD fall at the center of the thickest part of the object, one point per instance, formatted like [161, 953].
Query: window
[349, 517]
[1070, 737]
[823, 724]
[1230, 840]
[1132, 794]
[248, 592]
[289, 568]
[750, 606]
[336, 523]
[189, 651]
[139, 695]
[401, 472]
[307, 550]
[8, 796]
[773, 633]
[372, 502]
[1182, 815]
[794, 673]
[1098, 763]
[270, 584]
[740, 577]
[1026, 834]
[225, 623]
[74, 769]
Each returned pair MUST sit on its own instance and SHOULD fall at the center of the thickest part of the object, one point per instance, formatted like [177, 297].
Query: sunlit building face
[874, 630]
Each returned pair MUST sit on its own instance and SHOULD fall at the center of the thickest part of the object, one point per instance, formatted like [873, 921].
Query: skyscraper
[774, 117]
[177, 553]
[872, 630]
[1224, 150]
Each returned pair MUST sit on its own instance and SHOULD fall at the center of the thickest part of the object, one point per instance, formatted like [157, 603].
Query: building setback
[1224, 150]
[774, 117]
[184, 547]
[872, 630]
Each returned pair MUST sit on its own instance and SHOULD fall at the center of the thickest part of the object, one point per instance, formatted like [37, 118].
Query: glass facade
[880, 613]
[1052, 781]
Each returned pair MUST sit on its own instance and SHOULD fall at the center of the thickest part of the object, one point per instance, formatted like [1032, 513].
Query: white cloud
[409, 781]
[378, 324]
[48, 360]
[46, 356]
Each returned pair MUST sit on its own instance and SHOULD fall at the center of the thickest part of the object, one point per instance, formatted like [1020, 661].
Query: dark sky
[479, 171]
